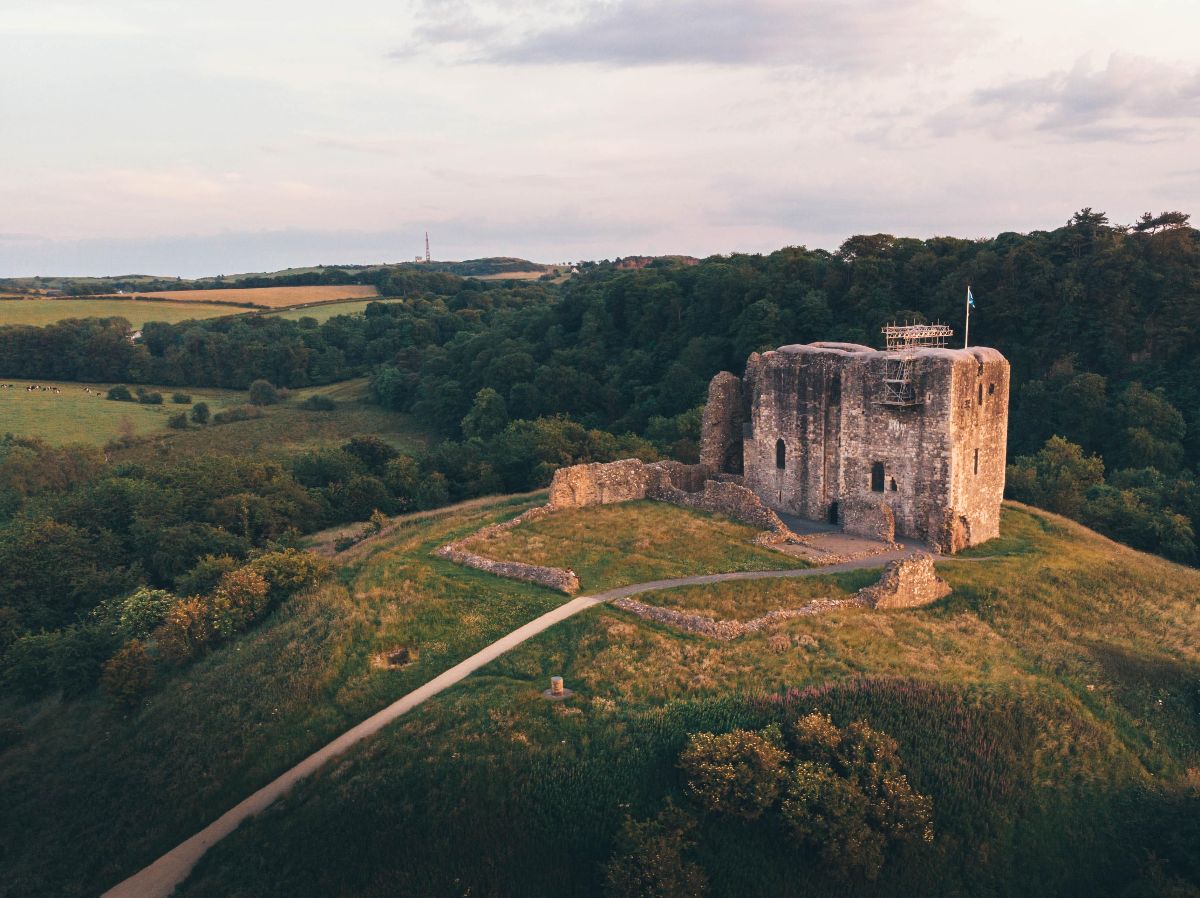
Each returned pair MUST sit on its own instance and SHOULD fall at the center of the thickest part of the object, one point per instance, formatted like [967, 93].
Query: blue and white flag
[970, 298]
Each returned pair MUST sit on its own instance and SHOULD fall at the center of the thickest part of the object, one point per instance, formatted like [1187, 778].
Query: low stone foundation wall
[551, 577]
[727, 629]
[908, 583]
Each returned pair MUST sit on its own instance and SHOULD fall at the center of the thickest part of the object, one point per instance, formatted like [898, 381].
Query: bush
[238, 601]
[136, 615]
[200, 413]
[207, 573]
[263, 392]
[128, 674]
[181, 398]
[146, 398]
[185, 632]
[240, 413]
[651, 862]
[738, 773]
[69, 659]
[178, 421]
[119, 394]
[318, 403]
[289, 571]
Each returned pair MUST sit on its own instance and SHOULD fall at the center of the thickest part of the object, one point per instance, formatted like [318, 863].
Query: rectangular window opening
[981, 394]
[976, 461]
[877, 477]
[991, 389]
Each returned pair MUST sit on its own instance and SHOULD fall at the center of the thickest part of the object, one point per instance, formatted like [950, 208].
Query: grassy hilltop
[1049, 707]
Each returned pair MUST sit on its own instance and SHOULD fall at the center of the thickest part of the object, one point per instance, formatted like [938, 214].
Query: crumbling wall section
[907, 583]
[550, 577]
[721, 426]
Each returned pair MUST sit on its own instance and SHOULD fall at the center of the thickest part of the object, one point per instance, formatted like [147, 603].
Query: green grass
[40, 312]
[613, 545]
[748, 599]
[1049, 706]
[73, 416]
[325, 312]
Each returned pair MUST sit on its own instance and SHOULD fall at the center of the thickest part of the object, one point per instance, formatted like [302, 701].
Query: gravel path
[160, 878]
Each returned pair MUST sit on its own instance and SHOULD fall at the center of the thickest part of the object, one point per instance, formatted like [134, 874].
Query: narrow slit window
[976, 461]
[780, 454]
[991, 389]
[877, 477]
[893, 485]
[981, 394]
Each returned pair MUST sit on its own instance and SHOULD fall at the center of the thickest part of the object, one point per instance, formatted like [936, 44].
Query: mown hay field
[40, 312]
[268, 297]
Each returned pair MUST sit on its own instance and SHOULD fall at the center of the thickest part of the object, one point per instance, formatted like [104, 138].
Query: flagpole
[967, 329]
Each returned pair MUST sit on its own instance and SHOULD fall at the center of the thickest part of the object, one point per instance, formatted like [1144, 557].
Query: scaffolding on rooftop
[899, 382]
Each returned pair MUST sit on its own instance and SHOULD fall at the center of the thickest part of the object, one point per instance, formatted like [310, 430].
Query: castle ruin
[907, 441]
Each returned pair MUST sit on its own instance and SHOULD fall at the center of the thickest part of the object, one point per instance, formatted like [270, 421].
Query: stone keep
[820, 431]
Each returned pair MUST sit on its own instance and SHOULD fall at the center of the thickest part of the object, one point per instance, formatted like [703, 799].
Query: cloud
[815, 34]
[1131, 99]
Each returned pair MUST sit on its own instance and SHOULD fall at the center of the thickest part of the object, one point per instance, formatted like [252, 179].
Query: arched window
[780, 454]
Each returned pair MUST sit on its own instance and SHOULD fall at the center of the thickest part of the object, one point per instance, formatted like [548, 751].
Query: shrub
[239, 599]
[67, 659]
[136, 615]
[318, 403]
[240, 413]
[651, 861]
[342, 543]
[181, 398]
[200, 413]
[178, 421]
[11, 732]
[206, 574]
[146, 398]
[263, 392]
[185, 632]
[738, 773]
[289, 571]
[119, 393]
[128, 674]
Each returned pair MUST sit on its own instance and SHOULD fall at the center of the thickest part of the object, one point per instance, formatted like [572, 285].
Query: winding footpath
[160, 878]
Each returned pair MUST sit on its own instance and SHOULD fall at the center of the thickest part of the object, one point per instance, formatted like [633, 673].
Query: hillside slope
[1049, 706]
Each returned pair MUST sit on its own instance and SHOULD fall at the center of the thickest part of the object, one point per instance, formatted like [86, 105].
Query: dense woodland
[1101, 324]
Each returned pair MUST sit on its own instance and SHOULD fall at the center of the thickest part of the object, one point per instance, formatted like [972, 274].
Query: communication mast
[904, 340]
[426, 246]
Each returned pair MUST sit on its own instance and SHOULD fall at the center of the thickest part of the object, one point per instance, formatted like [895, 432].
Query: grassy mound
[633, 542]
[1049, 706]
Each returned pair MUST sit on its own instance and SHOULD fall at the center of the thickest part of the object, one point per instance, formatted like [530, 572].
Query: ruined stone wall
[908, 583]
[598, 484]
[817, 427]
[872, 519]
[550, 577]
[721, 427]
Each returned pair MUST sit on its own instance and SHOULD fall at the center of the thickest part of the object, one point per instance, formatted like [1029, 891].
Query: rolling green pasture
[1048, 706]
[75, 416]
[327, 310]
[613, 545]
[40, 312]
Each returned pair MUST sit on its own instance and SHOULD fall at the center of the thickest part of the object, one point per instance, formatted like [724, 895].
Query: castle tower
[913, 436]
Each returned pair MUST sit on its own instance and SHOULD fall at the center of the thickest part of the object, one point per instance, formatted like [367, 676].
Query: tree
[239, 599]
[178, 421]
[737, 773]
[263, 392]
[185, 632]
[200, 413]
[487, 417]
[119, 393]
[1057, 478]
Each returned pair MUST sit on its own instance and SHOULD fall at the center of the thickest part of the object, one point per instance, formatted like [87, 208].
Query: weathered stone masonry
[818, 439]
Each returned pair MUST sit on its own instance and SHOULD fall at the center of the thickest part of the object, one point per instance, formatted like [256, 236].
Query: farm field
[1044, 706]
[268, 297]
[40, 312]
[328, 310]
[76, 416]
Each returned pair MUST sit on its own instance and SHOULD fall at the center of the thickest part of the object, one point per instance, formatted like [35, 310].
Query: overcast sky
[211, 137]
